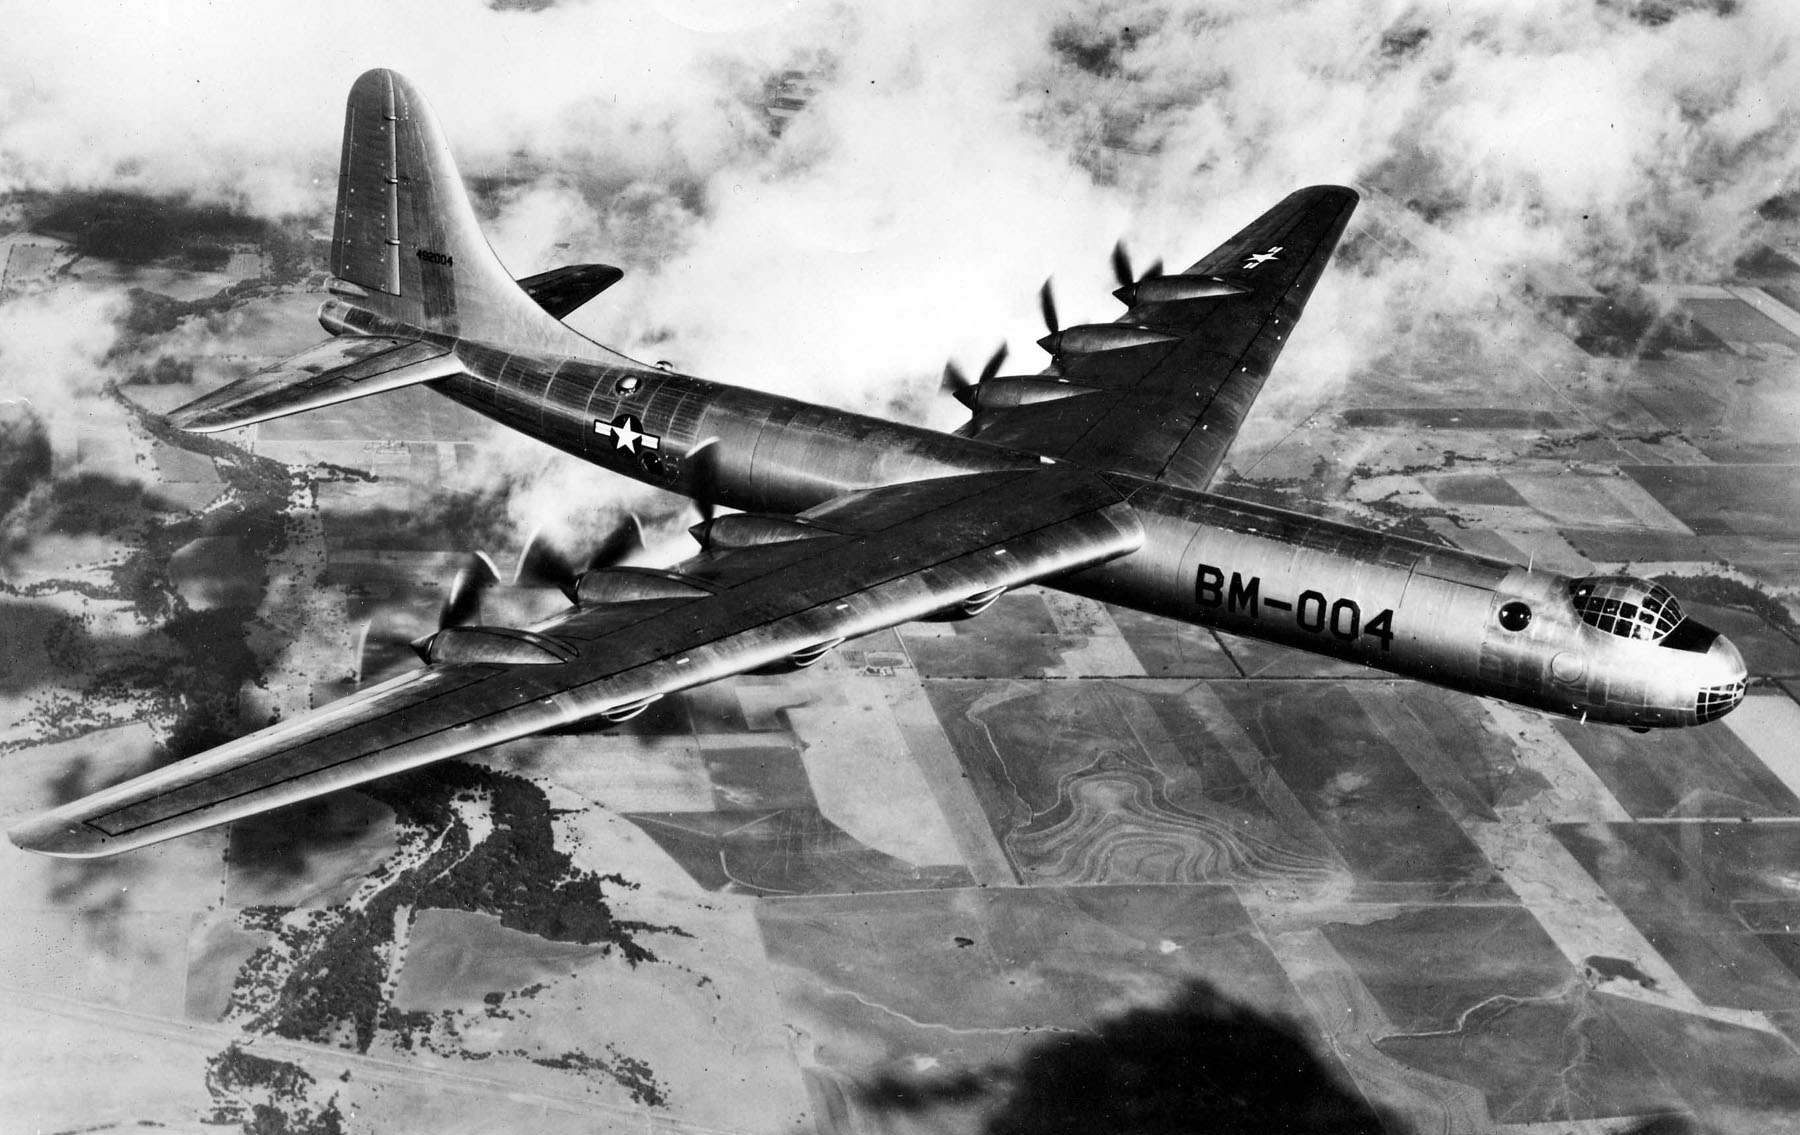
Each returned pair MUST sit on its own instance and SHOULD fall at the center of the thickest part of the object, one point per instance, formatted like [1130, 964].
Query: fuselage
[1610, 648]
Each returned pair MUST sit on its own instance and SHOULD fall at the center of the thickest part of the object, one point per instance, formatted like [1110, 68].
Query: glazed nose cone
[1722, 686]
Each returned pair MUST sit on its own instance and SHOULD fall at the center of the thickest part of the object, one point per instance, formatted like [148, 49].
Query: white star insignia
[626, 435]
[1257, 258]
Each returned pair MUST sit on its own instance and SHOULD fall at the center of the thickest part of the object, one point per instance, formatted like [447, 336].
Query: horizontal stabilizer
[350, 366]
[562, 290]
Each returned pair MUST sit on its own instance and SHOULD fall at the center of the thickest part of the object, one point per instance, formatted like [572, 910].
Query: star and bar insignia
[627, 433]
[1257, 259]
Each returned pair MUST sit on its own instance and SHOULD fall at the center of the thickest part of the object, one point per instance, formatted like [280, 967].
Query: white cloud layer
[953, 154]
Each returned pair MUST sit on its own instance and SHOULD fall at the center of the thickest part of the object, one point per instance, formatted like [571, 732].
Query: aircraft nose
[1722, 688]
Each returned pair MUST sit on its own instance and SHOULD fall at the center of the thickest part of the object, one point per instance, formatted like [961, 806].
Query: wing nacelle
[752, 530]
[1175, 289]
[1007, 391]
[491, 646]
[1088, 338]
[603, 586]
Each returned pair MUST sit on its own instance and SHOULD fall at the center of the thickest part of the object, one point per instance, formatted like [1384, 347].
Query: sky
[951, 156]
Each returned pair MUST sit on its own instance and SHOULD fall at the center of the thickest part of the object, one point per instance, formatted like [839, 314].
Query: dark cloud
[25, 459]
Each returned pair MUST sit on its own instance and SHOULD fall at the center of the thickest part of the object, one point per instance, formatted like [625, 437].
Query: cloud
[53, 367]
[246, 100]
[948, 158]
[952, 157]
[55, 345]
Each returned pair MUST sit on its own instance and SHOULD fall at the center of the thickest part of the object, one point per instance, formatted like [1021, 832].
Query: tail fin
[407, 241]
[407, 249]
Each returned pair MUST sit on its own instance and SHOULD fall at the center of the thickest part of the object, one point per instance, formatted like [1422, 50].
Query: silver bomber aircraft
[1090, 477]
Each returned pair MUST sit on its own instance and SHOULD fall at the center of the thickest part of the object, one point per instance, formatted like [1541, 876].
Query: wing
[1169, 409]
[791, 590]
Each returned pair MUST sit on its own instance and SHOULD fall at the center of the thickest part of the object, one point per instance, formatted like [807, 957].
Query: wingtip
[189, 419]
[202, 424]
[56, 835]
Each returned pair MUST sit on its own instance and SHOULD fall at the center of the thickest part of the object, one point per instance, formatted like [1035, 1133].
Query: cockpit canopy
[1625, 606]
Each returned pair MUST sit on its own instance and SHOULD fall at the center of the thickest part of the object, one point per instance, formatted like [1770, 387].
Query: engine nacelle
[752, 530]
[1008, 391]
[632, 585]
[491, 646]
[1174, 289]
[1088, 338]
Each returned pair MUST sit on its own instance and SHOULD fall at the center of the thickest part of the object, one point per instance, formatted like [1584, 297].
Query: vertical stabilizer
[406, 236]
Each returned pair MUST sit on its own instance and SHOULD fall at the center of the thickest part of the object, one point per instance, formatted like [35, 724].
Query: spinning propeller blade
[543, 565]
[959, 386]
[704, 461]
[462, 606]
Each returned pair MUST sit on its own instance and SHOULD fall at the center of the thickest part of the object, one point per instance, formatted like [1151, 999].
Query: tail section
[408, 258]
[407, 246]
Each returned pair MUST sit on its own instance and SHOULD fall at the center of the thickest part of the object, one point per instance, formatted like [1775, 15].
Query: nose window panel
[1624, 606]
[1717, 701]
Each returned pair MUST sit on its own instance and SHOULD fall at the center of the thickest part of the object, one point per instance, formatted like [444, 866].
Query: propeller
[542, 564]
[1047, 304]
[959, 386]
[391, 630]
[704, 460]
[462, 607]
[1121, 266]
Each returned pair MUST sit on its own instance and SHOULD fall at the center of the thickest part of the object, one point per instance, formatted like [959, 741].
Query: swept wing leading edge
[871, 560]
[899, 523]
[1169, 410]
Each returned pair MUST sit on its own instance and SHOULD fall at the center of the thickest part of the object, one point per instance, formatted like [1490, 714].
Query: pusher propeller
[542, 564]
[391, 629]
[960, 387]
[1121, 266]
[1047, 305]
[462, 607]
[704, 461]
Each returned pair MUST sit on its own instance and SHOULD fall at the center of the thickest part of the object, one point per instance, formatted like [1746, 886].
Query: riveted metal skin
[858, 524]
[633, 585]
[1151, 403]
[1318, 585]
